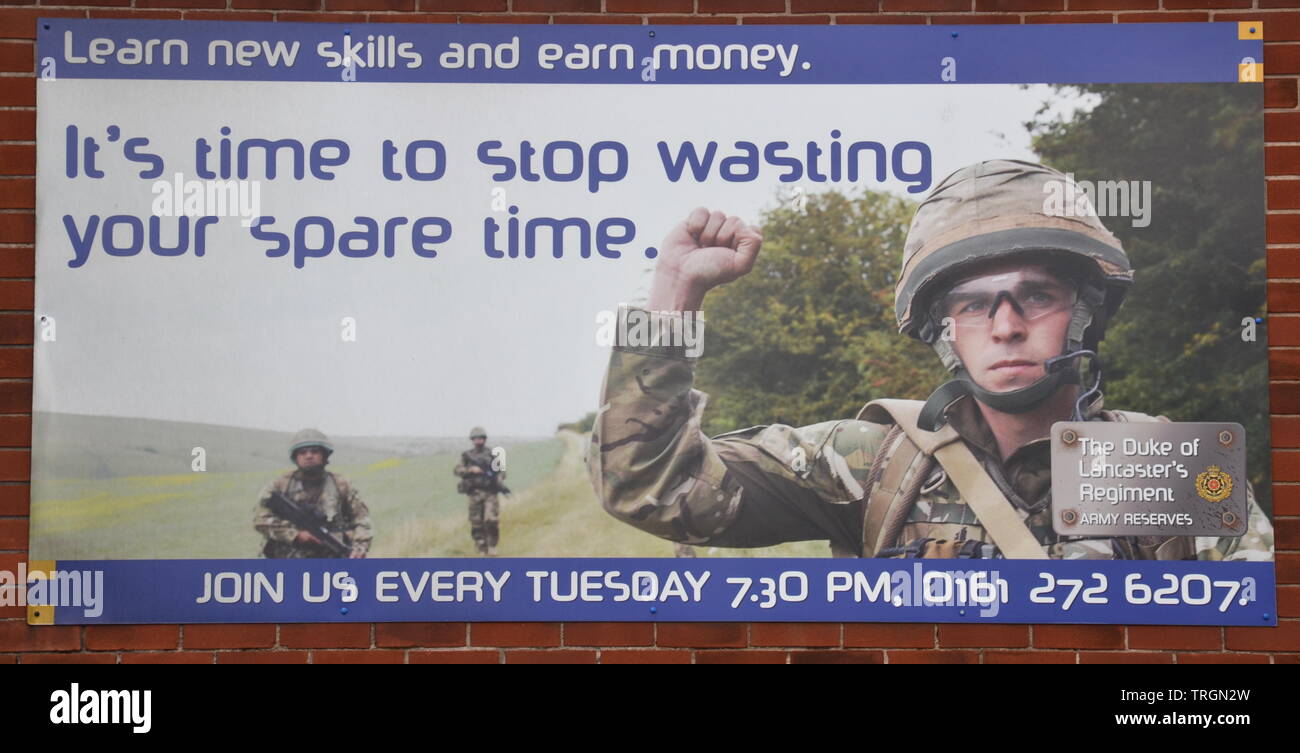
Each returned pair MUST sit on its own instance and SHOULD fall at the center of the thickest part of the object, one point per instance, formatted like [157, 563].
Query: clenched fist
[703, 251]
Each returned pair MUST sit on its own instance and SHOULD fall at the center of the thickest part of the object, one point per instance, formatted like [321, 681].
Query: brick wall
[612, 643]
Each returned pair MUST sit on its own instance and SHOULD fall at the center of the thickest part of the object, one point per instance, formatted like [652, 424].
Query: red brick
[8, 658]
[1124, 657]
[413, 18]
[20, 262]
[1222, 658]
[837, 657]
[1283, 330]
[128, 637]
[228, 636]
[167, 657]
[18, 159]
[1284, 658]
[1284, 363]
[342, 635]
[15, 431]
[17, 329]
[13, 534]
[15, 397]
[557, 6]
[1282, 160]
[1012, 6]
[1161, 18]
[337, 17]
[454, 657]
[164, 15]
[1182, 4]
[414, 634]
[68, 658]
[1284, 398]
[14, 499]
[1287, 567]
[889, 635]
[1286, 464]
[973, 18]
[17, 295]
[1286, 533]
[749, 656]
[598, 18]
[933, 657]
[649, 6]
[609, 634]
[21, 24]
[831, 6]
[1284, 193]
[795, 634]
[1184, 637]
[15, 465]
[16, 635]
[17, 227]
[1078, 636]
[878, 19]
[741, 6]
[1029, 657]
[984, 636]
[785, 20]
[381, 5]
[1068, 18]
[1284, 637]
[1114, 4]
[1281, 58]
[559, 656]
[276, 4]
[533, 634]
[16, 362]
[1279, 92]
[261, 657]
[1288, 601]
[645, 657]
[703, 635]
[371, 656]
[448, 6]
[17, 57]
[686, 20]
[506, 18]
[228, 15]
[17, 193]
[914, 6]
[18, 125]
[1286, 499]
[17, 91]
[179, 3]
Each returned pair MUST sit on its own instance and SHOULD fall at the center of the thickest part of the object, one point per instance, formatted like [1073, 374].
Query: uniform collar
[965, 417]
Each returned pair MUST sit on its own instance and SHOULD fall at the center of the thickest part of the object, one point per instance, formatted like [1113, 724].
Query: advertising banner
[438, 322]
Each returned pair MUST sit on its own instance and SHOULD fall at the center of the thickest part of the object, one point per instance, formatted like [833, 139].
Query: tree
[809, 335]
[1176, 346]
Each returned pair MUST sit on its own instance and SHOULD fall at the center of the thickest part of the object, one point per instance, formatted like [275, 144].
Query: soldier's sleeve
[267, 523]
[461, 468]
[360, 533]
[653, 467]
[1255, 545]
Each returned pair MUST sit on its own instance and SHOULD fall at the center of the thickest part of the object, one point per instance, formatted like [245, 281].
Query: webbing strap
[887, 493]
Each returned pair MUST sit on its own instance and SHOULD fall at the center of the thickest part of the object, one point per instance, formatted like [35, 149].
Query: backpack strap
[986, 500]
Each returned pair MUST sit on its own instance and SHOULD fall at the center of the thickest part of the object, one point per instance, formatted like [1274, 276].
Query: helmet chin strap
[1023, 400]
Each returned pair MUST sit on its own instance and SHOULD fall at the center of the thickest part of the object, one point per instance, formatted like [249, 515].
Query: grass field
[111, 488]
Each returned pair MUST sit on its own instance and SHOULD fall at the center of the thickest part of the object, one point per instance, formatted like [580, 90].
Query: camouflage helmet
[310, 438]
[1000, 209]
[478, 431]
[1005, 210]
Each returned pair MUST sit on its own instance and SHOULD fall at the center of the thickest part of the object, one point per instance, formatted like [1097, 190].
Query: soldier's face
[479, 441]
[309, 457]
[1009, 319]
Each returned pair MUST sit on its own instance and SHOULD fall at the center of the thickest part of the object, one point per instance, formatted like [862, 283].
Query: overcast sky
[441, 344]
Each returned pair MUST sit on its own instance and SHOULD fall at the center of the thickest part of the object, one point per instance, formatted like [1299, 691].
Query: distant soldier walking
[481, 482]
[310, 512]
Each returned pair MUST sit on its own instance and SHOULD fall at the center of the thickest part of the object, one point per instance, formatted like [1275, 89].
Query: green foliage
[1175, 347]
[809, 335]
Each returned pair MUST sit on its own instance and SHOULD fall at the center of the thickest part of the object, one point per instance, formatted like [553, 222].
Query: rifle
[309, 521]
[489, 473]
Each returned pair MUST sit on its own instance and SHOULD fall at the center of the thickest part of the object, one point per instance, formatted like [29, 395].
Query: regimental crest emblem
[1213, 484]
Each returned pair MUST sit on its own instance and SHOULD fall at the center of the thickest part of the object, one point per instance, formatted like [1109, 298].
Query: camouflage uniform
[653, 467]
[330, 496]
[484, 505]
